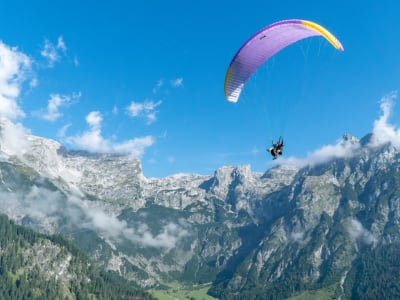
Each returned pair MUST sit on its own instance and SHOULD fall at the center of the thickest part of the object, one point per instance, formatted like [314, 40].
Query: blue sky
[146, 77]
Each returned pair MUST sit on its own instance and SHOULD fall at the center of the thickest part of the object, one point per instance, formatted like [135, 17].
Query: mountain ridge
[282, 232]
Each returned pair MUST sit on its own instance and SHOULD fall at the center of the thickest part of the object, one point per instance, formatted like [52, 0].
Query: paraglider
[276, 148]
[264, 44]
[260, 47]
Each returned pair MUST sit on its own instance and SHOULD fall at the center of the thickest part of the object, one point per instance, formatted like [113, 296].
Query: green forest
[27, 264]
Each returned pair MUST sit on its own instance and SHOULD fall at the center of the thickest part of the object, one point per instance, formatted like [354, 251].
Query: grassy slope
[179, 292]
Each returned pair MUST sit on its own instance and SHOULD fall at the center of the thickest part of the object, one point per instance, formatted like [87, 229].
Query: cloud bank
[342, 149]
[112, 227]
[47, 209]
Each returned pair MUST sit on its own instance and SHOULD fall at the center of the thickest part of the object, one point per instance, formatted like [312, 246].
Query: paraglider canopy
[264, 44]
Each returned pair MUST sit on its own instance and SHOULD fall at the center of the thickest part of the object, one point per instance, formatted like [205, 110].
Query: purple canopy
[265, 43]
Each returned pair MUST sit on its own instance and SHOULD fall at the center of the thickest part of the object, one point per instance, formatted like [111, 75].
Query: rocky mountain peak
[228, 178]
[350, 138]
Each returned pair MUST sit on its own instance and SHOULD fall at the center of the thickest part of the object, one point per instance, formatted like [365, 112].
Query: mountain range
[326, 229]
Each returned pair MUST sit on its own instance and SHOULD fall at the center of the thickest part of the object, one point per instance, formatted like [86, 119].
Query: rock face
[282, 232]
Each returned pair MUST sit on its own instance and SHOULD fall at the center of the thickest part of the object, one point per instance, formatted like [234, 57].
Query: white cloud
[115, 110]
[33, 83]
[342, 149]
[383, 131]
[76, 61]
[145, 109]
[297, 236]
[51, 52]
[358, 232]
[92, 139]
[111, 227]
[178, 82]
[15, 67]
[61, 45]
[63, 130]
[56, 101]
[158, 86]
[134, 147]
[9, 108]
[13, 138]
[94, 119]
[47, 208]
